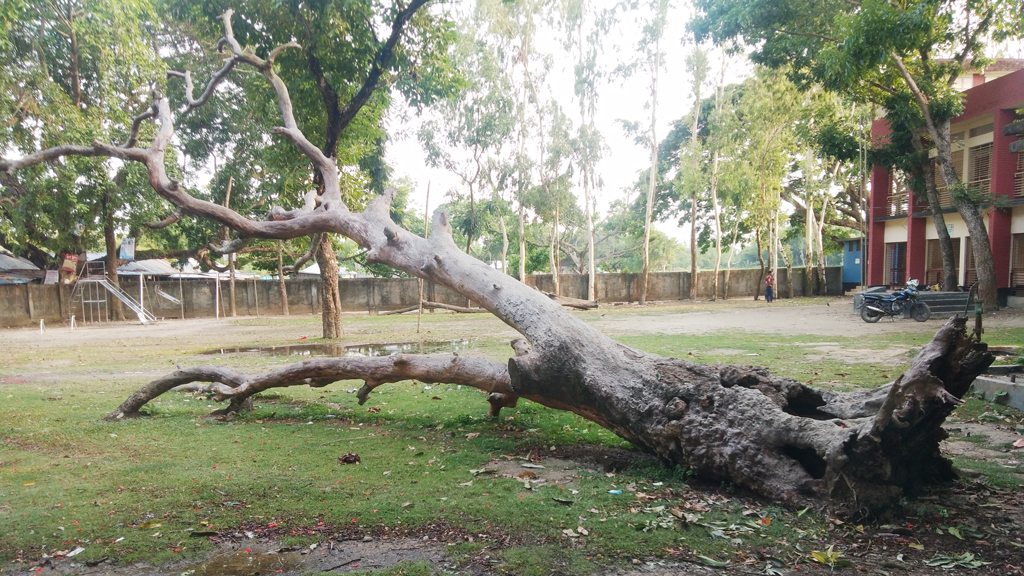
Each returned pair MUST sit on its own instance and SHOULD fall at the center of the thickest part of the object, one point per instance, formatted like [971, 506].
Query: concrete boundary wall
[27, 304]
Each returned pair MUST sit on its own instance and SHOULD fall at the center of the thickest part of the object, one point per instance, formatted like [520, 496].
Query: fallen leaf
[528, 465]
[373, 409]
[472, 435]
[1019, 443]
[526, 474]
[350, 458]
[583, 531]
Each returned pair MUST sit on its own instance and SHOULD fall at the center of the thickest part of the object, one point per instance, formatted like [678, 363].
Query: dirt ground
[343, 552]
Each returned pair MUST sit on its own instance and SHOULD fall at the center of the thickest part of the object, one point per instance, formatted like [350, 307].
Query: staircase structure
[90, 296]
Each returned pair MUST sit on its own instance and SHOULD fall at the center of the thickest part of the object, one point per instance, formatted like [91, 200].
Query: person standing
[769, 284]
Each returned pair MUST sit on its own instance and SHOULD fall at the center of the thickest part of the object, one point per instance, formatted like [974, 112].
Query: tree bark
[280, 279]
[949, 280]
[760, 259]
[113, 259]
[728, 263]
[330, 291]
[821, 249]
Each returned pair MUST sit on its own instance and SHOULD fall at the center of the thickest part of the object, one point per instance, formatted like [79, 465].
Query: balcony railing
[898, 204]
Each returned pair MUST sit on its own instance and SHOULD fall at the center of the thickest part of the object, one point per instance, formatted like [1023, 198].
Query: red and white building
[902, 242]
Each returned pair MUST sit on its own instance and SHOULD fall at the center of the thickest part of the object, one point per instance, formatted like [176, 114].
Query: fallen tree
[853, 453]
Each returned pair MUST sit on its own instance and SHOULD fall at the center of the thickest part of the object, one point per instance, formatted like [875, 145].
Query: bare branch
[487, 375]
[314, 243]
[172, 218]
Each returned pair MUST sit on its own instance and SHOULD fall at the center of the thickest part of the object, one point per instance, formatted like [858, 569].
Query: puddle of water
[335, 349]
[238, 563]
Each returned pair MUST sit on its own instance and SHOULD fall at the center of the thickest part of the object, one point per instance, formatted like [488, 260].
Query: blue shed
[853, 262]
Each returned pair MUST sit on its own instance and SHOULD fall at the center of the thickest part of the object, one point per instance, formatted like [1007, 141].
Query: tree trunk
[728, 264]
[504, 245]
[821, 249]
[787, 259]
[850, 453]
[809, 226]
[949, 279]
[968, 208]
[653, 177]
[718, 226]
[232, 309]
[971, 213]
[591, 265]
[330, 291]
[113, 260]
[760, 259]
[280, 279]
[522, 244]
[554, 252]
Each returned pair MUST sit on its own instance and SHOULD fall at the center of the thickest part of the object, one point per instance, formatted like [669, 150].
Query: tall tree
[697, 67]
[340, 93]
[882, 51]
[475, 123]
[74, 68]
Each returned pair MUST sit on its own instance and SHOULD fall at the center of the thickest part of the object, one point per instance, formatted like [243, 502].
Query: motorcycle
[877, 305]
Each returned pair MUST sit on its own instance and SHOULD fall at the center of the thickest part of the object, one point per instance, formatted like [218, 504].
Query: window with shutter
[979, 175]
[1017, 260]
[933, 260]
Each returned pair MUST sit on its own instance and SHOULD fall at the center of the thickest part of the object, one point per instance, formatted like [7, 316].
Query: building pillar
[1004, 168]
[875, 253]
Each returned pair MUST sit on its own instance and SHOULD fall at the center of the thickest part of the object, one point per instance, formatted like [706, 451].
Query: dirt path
[834, 318]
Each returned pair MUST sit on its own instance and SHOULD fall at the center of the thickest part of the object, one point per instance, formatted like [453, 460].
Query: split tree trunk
[852, 453]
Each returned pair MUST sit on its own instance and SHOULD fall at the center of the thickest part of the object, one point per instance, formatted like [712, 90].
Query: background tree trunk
[949, 280]
[113, 259]
[280, 279]
[330, 292]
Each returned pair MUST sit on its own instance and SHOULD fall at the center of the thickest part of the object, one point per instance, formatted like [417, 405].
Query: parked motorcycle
[877, 305]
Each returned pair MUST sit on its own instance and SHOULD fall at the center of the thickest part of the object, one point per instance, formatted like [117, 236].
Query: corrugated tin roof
[147, 268]
[12, 262]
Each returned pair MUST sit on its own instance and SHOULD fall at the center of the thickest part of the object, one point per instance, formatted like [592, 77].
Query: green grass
[137, 490]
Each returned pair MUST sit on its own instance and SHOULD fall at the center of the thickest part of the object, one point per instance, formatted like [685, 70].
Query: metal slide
[89, 295]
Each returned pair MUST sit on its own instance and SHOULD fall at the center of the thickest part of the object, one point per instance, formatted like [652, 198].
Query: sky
[619, 99]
